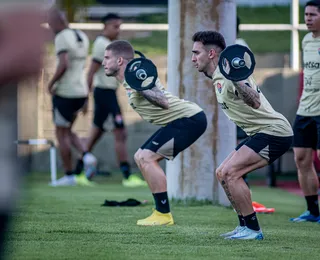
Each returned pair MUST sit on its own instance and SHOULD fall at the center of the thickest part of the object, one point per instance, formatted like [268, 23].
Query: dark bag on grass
[126, 203]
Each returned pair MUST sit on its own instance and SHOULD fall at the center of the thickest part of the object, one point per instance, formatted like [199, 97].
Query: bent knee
[303, 160]
[219, 173]
[227, 174]
[145, 158]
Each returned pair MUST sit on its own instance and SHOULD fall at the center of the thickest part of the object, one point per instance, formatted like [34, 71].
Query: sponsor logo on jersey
[312, 65]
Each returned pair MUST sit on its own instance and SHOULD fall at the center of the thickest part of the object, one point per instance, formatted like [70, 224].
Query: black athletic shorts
[65, 110]
[241, 134]
[178, 135]
[267, 146]
[306, 131]
[105, 103]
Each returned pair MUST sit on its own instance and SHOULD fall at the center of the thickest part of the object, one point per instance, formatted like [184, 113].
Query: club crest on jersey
[219, 87]
[129, 92]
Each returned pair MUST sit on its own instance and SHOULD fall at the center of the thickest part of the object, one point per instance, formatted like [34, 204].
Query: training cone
[260, 208]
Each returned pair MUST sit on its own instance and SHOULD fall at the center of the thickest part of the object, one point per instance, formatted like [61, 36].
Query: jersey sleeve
[305, 40]
[60, 44]
[250, 82]
[98, 51]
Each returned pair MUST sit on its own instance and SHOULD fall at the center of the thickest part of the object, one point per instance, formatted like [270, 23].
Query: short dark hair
[121, 48]
[210, 37]
[110, 16]
[315, 3]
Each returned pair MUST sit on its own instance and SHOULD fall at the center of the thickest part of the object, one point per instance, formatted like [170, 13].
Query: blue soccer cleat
[247, 234]
[233, 232]
[306, 216]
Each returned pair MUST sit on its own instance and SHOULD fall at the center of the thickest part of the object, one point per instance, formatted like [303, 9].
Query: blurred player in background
[307, 123]
[21, 55]
[69, 91]
[106, 103]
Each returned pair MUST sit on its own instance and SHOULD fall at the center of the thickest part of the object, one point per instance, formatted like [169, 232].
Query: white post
[53, 164]
[295, 51]
[192, 174]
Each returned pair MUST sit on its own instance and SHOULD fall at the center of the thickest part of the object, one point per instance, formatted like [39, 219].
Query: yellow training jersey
[310, 99]
[262, 120]
[178, 108]
[73, 83]
[100, 79]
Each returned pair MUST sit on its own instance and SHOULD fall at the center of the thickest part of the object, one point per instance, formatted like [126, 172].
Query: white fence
[294, 27]
[254, 3]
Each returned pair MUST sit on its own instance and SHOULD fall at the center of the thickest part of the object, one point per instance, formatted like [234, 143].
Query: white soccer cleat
[67, 180]
[233, 232]
[90, 165]
[89, 159]
[247, 234]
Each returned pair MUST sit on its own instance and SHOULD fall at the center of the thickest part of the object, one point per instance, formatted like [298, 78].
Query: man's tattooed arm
[249, 95]
[156, 97]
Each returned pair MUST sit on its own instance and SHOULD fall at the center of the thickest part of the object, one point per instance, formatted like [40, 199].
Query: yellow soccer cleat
[82, 180]
[157, 219]
[134, 181]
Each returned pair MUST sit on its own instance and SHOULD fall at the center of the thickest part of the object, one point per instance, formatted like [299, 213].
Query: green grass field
[69, 223]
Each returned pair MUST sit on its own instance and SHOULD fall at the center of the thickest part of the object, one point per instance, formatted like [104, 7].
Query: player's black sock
[68, 173]
[162, 202]
[79, 167]
[252, 221]
[242, 223]
[313, 204]
[125, 169]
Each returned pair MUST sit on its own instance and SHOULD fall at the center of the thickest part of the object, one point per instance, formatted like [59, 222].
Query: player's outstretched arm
[249, 95]
[156, 97]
